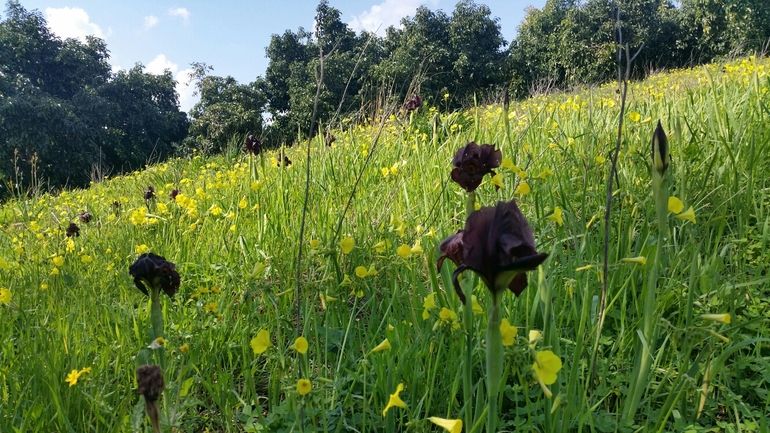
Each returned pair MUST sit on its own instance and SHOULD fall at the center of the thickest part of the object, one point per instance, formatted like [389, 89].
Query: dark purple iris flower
[73, 230]
[498, 244]
[149, 193]
[174, 193]
[86, 217]
[413, 103]
[155, 271]
[472, 162]
[253, 145]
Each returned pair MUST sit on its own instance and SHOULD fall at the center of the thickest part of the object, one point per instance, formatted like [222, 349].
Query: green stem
[468, 321]
[156, 318]
[494, 359]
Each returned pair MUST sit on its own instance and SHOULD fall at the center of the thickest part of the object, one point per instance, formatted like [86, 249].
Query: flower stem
[468, 321]
[494, 359]
[156, 318]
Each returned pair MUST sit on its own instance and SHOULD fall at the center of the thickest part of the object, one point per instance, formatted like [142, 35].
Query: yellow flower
[304, 386]
[523, 189]
[534, 337]
[475, 306]
[243, 203]
[417, 248]
[497, 180]
[210, 307]
[557, 216]
[74, 375]
[5, 296]
[261, 342]
[300, 345]
[600, 159]
[508, 332]
[346, 281]
[428, 304]
[142, 249]
[545, 173]
[675, 205]
[315, 243]
[255, 185]
[157, 343]
[724, 318]
[641, 260]
[361, 272]
[395, 400]
[184, 348]
[58, 260]
[385, 172]
[404, 251]
[688, 215]
[70, 245]
[634, 116]
[347, 245]
[476, 206]
[449, 317]
[381, 246]
[546, 366]
[385, 345]
[324, 299]
[509, 165]
[522, 174]
[85, 258]
[450, 425]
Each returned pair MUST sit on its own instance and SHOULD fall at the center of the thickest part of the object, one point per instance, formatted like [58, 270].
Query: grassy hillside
[69, 303]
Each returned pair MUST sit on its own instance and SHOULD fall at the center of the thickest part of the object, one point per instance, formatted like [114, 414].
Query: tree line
[65, 114]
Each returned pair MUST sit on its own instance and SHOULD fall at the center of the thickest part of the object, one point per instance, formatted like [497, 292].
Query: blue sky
[230, 36]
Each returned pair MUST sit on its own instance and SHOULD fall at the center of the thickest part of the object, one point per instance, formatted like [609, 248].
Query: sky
[230, 36]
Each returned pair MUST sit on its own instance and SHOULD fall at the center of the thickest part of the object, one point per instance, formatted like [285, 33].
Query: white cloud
[159, 64]
[72, 23]
[150, 21]
[180, 12]
[388, 13]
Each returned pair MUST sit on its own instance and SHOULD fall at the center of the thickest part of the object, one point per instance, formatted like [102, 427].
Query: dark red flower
[253, 145]
[498, 244]
[150, 384]
[73, 230]
[413, 103]
[155, 271]
[149, 193]
[174, 193]
[86, 217]
[286, 162]
[329, 138]
[472, 162]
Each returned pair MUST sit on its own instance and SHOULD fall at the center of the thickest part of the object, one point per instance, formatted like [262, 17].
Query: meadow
[375, 313]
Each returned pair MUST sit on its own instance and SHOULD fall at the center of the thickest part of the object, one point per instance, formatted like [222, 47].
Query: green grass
[241, 263]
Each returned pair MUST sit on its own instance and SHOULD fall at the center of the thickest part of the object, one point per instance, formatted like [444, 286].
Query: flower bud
[660, 150]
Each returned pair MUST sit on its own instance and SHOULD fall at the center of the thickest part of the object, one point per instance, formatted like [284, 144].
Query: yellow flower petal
[675, 205]
[688, 215]
[404, 251]
[724, 318]
[395, 400]
[523, 188]
[300, 345]
[497, 180]
[385, 345]
[634, 116]
[361, 271]
[261, 342]
[304, 386]
[641, 260]
[557, 216]
[508, 332]
[547, 366]
[475, 306]
[450, 425]
[347, 245]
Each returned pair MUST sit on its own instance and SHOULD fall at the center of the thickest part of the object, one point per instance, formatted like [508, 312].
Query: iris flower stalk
[644, 352]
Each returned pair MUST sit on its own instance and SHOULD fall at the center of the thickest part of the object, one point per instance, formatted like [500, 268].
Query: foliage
[232, 231]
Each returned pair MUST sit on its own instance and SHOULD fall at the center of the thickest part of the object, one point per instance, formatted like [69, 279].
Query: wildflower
[522, 174]
[149, 193]
[417, 248]
[508, 332]
[155, 271]
[85, 217]
[261, 342]
[252, 144]
[300, 345]
[362, 272]
[719, 336]
[475, 306]
[498, 244]
[675, 205]
[395, 400]
[381, 246]
[497, 180]
[173, 194]
[523, 189]
[641, 260]
[142, 249]
[428, 304]
[73, 230]
[688, 215]
[329, 138]
[557, 216]
[413, 103]
[534, 337]
[724, 318]
[157, 343]
[545, 368]
[210, 307]
[545, 173]
[85, 258]
[507, 164]
[634, 116]
[304, 386]
[5, 296]
[600, 159]
[150, 385]
[324, 299]
[58, 260]
[660, 150]
[346, 281]
[404, 251]
[243, 203]
[472, 162]
[448, 317]
[184, 348]
[347, 245]
[74, 375]
[450, 425]
[385, 345]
